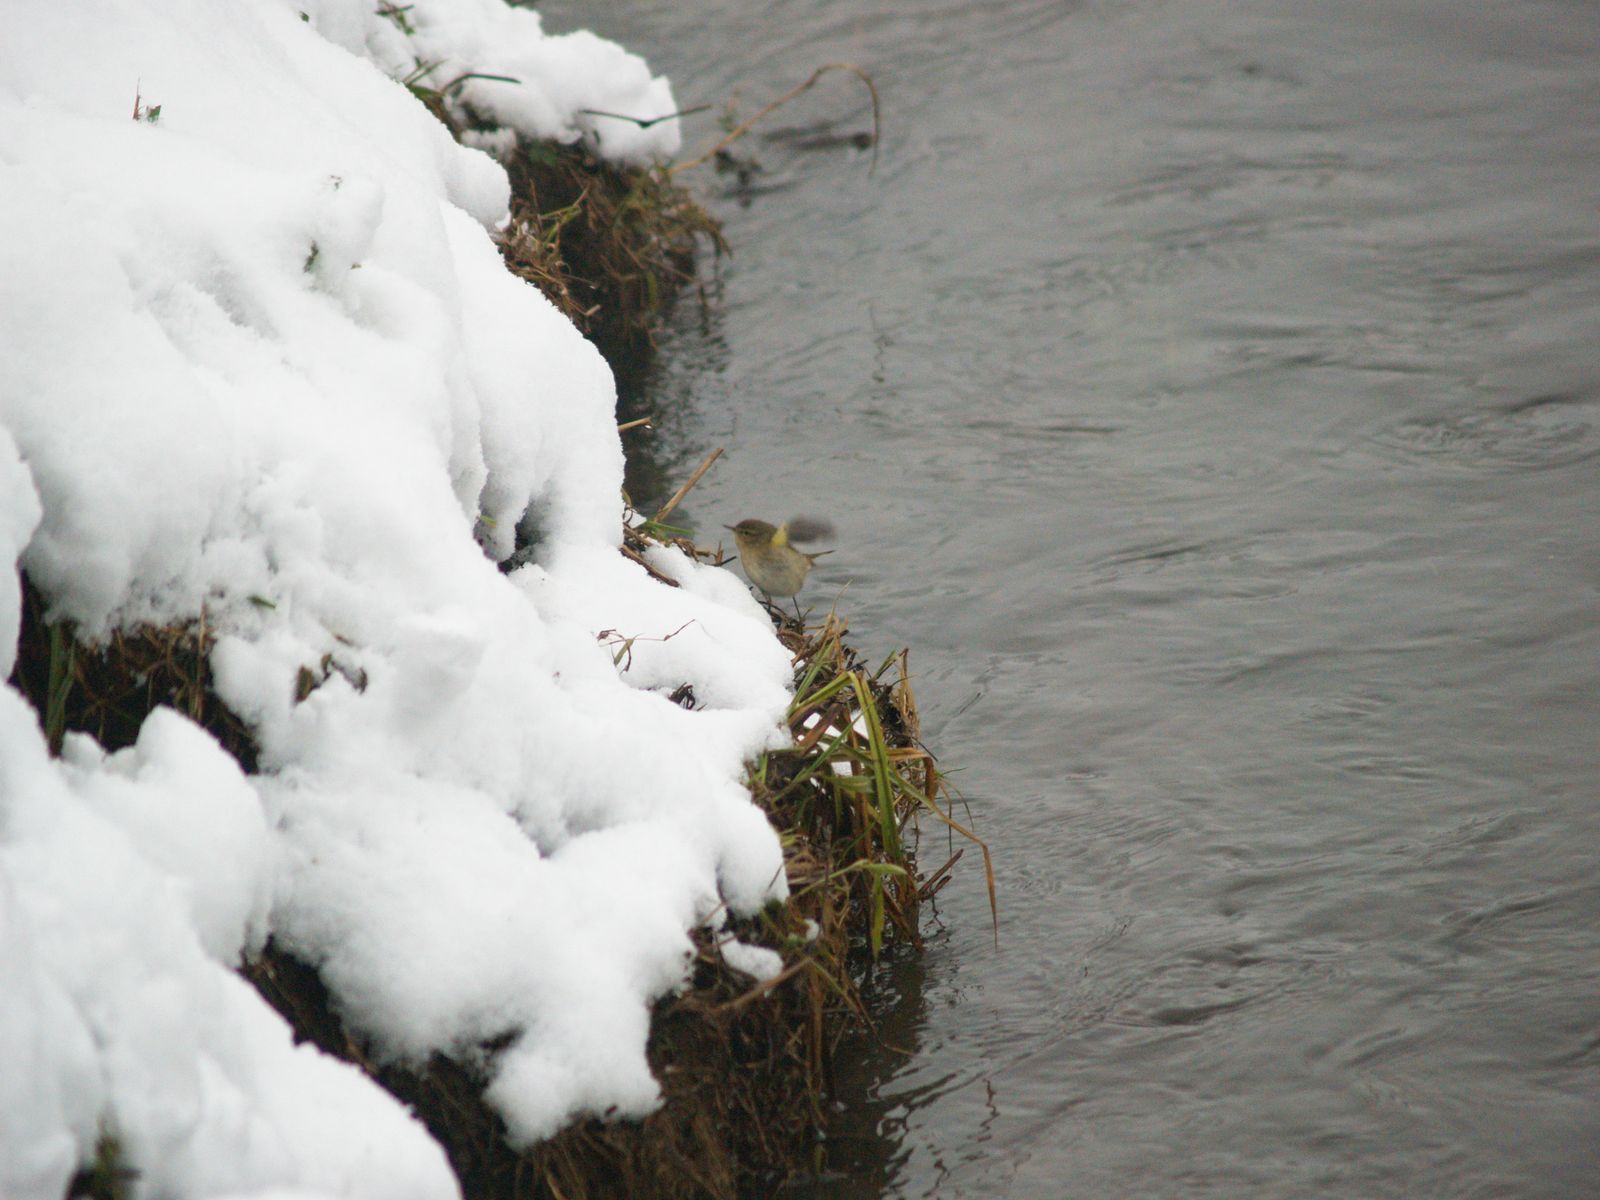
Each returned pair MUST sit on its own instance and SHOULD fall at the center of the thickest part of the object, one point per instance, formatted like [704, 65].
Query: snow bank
[116, 1018]
[495, 62]
[261, 359]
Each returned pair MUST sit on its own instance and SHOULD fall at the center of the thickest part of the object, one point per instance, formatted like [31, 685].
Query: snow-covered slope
[260, 357]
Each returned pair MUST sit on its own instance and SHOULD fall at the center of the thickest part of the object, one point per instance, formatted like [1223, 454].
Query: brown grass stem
[746, 126]
[677, 496]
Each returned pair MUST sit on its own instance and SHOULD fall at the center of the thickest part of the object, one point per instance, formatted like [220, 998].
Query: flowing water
[1209, 394]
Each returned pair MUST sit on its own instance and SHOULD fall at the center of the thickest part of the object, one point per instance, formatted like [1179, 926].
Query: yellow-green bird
[772, 564]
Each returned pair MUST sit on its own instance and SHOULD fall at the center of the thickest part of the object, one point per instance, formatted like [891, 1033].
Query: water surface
[1209, 394]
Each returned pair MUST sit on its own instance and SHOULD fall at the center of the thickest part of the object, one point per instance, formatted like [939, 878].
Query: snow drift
[261, 360]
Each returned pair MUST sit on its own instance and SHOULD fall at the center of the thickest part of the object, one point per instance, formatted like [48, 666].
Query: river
[1209, 394]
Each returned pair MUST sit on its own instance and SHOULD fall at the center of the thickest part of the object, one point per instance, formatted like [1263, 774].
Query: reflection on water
[667, 389]
[1209, 394]
[862, 1148]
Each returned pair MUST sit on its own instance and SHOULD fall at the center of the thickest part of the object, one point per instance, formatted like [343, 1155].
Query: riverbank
[327, 670]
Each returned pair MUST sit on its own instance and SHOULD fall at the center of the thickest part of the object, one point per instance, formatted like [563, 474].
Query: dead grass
[610, 246]
[719, 151]
[107, 690]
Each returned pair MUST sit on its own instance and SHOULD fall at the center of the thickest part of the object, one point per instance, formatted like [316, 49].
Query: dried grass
[107, 690]
[610, 246]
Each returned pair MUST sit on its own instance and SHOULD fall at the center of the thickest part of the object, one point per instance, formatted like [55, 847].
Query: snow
[194, 817]
[19, 515]
[116, 1017]
[262, 363]
[568, 86]
[758, 962]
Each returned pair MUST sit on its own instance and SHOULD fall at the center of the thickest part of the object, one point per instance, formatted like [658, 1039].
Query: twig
[678, 495]
[645, 122]
[745, 127]
[460, 79]
[629, 552]
[745, 999]
[934, 883]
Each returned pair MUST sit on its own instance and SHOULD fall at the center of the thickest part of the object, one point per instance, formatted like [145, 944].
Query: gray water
[1209, 395]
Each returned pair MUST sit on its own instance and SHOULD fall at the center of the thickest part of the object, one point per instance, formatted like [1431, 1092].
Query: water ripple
[1532, 434]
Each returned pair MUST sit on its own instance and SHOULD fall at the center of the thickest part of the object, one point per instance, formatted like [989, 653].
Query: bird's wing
[808, 529]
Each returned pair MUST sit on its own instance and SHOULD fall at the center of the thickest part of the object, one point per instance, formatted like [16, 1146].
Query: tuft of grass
[436, 99]
[719, 152]
[856, 782]
[610, 246]
[107, 1176]
[107, 690]
[398, 14]
[150, 114]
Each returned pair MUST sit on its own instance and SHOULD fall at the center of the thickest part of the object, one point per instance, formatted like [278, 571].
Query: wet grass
[107, 1175]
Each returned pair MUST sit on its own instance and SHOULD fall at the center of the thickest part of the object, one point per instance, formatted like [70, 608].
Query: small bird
[772, 564]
